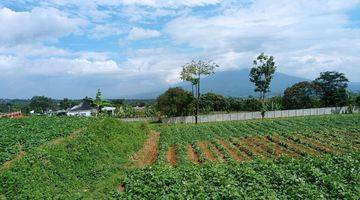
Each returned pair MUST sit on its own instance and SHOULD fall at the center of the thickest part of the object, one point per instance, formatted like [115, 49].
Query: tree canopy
[302, 95]
[175, 102]
[333, 87]
[41, 104]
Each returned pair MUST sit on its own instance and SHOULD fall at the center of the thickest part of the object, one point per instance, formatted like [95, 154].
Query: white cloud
[160, 61]
[289, 30]
[38, 25]
[150, 3]
[104, 30]
[140, 34]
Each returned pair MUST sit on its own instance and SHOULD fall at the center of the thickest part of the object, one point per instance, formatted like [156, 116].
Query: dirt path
[149, 152]
[192, 155]
[171, 156]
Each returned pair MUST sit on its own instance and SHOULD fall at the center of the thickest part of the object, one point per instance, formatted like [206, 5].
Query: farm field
[306, 157]
[20, 135]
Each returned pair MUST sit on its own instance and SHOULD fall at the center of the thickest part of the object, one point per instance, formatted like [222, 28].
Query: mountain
[236, 83]
[354, 86]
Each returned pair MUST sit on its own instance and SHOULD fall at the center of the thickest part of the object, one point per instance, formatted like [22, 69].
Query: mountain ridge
[236, 83]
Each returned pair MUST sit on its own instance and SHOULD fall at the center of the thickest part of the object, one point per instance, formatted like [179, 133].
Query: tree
[261, 75]
[98, 99]
[213, 102]
[40, 104]
[193, 72]
[302, 95]
[333, 88]
[175, 102]
[357, 101]
[65, 104]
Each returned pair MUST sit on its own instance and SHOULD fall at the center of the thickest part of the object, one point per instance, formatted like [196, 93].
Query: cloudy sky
[69, 48]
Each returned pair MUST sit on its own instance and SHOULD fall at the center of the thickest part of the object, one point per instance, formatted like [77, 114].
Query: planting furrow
[205, 148]
[171, 156]
[192, 155]
[233, 153]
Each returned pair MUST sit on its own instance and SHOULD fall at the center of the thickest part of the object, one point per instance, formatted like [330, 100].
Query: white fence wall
[257, 115]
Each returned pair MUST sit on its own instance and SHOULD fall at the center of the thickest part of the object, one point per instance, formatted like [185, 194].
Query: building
[83, 109]
[108, 110]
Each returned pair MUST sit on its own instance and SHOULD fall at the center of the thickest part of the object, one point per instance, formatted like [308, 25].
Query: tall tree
[333, 87]
[65, 104]
[175, 102]
[98, 100]
[40, 104]
[301, 95]
[193, 72]
[261, 75]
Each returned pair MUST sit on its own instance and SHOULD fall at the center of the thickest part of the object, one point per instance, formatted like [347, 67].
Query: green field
[308, 157]
[25, 134]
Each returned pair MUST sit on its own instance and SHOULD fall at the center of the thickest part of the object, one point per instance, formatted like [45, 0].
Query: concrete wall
[257, 115]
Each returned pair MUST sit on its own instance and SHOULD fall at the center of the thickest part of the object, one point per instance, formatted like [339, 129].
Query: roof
[81, 107]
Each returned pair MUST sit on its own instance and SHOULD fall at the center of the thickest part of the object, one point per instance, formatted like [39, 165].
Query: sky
[70, 48]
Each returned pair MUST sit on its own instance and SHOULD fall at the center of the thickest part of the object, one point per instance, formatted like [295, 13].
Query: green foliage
[31, 132]
[67, 103]
[333, 88]
[84, 167]
[357, 101]
[175, 102]
[128, 111]
[213, 102]
[41, 104]
[302, 95]
[331, 178]
[93, 164]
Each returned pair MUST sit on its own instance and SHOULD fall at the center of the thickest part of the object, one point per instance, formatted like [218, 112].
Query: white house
[83, 109]
[109, 110]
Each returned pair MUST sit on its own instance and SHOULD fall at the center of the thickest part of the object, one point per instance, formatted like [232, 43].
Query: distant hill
[236, 83]
[355, 86]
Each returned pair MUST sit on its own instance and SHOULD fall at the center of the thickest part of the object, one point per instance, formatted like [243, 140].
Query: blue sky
[69, 48]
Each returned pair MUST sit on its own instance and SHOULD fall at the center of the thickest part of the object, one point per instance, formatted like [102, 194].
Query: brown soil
[171, 156]
[192, 155]
[255, 147]
[149, 152]
[231, 150]
[205, 148]
[282, 150]
[246, 152]
[121, 188]
[221, 156]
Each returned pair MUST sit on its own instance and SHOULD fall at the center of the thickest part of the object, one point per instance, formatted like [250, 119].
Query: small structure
[83, 109]
[11, 115]
[108, 110]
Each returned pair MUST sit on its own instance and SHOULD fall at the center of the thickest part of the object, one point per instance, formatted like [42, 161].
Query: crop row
[303, 136]
[246, 149]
